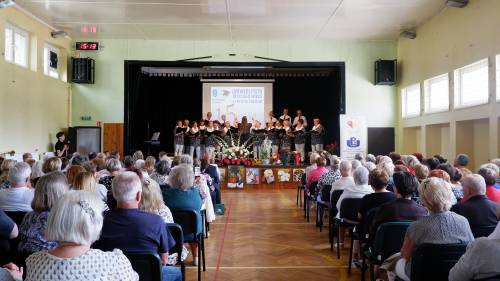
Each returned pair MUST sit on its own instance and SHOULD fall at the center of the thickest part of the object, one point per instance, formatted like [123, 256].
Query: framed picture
[222, 174]
[268, 176]
[235, 176]
[297, 174]
[284, 175]
[252, 176]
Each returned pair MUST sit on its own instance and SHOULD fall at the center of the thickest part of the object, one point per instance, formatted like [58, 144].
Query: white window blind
[437, 94]
[47, 69]
[16, 45]
[471, 84]
[498, 76]
[410, 98]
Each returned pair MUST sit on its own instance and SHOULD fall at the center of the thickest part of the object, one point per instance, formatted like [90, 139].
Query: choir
[282, 133]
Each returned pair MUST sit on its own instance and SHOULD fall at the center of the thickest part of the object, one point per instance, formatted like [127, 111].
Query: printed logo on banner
[353, 142]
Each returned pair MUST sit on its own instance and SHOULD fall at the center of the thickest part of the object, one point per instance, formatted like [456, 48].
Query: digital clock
[87, 46]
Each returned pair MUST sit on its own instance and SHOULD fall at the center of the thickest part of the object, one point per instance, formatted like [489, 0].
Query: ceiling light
[408, 34]
[58, 34]
[457, 3]
[6, 3]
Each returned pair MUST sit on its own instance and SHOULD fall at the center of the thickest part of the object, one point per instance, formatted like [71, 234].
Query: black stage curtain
[157, 102]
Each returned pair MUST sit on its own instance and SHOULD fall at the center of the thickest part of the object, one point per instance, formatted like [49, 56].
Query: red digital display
[87, 46]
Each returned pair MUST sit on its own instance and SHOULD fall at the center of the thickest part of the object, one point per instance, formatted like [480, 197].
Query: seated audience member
[419, 156]
[160, 175]
[490, 177]
[441, 159]
[316, 174]
[149, 164]
[78, 160]
[53, 164]
[346, 180]
[113, 166]
[86, 181]
[333, 174]
[213, 181]
[355, 164]
[8, 230]
[36, 172]
[90, 167]
[18, 197]
[138, 155]
[128, 162]
[456, 187]
[421, 172]
[152, 201]
[475, 206]
[394, 156]
[371, 158]
[32, 230]
[75, 221]
[461, 162]
[359, 189]
[431, 163]
[131, 230]
[370, 166]
[403, 208]
[438, 173]
[182, 195]
[4, 173]
[411, 162]
[440, 227]
[480, 261]
[71, 173]
[27, 156]
[313, 156]
[377, 179]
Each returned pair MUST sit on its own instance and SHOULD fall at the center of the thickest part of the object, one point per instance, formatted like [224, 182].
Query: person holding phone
[61, 146]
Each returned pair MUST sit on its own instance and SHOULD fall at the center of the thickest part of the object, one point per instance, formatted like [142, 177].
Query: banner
[353, 136]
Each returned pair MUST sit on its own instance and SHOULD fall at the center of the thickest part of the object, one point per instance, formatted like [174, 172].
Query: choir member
[226, 131]
[271, 118]
[258, 135]
[179, 132]
[194, 139]
[286, 136]
[211, 141]
[317, 133]
[203, 137]
[273, 137]
[299, 117]
[285, 115]
[300, 139]
[185, 124]
[244, 129]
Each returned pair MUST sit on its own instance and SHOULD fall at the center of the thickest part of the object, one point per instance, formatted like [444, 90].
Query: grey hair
[181, 177]
[412, 161]
[76, 217]
[491, 166]
[186, 159]
[384, 159]
[496, 161]
[36, 170]
[19, 173]
[355, 164]
[359, 156]
[436, 194]
[370, 166]
[360, 175]
[125, 186]
[113, 165]
[388, 167]
[345, 166]
[313, 156]
[371, 158]
[475, 183]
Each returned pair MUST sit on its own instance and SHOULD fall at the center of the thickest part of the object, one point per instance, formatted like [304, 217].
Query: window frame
[428, 109]
[47, 70]
[17, 30]
[497, 76]
[458, 91]
[404, 101]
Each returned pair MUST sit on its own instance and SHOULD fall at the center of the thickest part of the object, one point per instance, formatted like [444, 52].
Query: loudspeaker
[385, 72]
[82, 70]
[84, 139]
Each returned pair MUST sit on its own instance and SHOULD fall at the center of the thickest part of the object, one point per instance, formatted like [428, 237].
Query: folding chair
[147, 265]
[322, 204]
[310, 197]
[335, 195]
[434, 261]
[483, 231]
[349, 219]
[300, 188]
[176, 232]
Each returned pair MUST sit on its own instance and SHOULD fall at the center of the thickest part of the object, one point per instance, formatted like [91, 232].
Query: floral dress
[31, 233]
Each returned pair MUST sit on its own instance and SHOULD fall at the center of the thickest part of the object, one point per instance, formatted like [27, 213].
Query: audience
[4, 173]
[8, 231]
[91, 168]
[48, 190]
[53, 164]
[131, 230]
[214, 181]
[183, 195]
[71, 173]
[346, 180]
[475, 206]
[422, 172]
[378, 180]
[152, 201]
[113, 166]
[440, 227]
[75, 221]
[490, 177]
[359, 189]
[330, 177]
[160, 174]
[149, 164]
[18, 197]
[316, 174]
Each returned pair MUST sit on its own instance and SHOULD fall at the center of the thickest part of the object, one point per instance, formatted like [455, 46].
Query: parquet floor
[264, 236]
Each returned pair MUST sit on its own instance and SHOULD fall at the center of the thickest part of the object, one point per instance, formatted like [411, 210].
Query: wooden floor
[264, 236]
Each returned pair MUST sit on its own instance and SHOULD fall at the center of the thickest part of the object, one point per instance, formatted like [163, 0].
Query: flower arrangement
[235, 153]
[332, 148]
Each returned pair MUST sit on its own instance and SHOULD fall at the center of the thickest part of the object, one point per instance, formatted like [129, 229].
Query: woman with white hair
[359, 190]
[31, 231]
[440, 227]
[36, 172]
[183, 195]
[75, 221]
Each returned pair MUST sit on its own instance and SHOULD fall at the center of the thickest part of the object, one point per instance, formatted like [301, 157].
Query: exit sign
[86, 118]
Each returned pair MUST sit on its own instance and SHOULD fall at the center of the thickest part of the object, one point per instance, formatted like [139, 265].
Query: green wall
[104, 100]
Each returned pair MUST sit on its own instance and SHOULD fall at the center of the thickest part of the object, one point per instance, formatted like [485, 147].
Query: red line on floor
[228, 212]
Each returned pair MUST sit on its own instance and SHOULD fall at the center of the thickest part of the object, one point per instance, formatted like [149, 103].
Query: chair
[434, 261]
[322, 204]
[15, 256]
[310, 197]
[349, 219]
[335, 195]
[388, 241]
[493, 278]
[17, 217]
[206, 224]
[147, 265]
[176, 232]
[188, 220]
[483, 231]
[300, 188]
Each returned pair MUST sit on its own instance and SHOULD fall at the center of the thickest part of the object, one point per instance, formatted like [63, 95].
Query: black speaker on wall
[82, 70]
[84, 139]
[386, 72]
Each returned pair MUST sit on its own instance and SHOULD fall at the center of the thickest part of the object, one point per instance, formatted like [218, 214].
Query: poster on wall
[235, 176]
[297, 174]
[252, 176]
[353, 136]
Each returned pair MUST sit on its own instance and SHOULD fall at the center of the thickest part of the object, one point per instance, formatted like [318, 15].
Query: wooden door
[113, 137]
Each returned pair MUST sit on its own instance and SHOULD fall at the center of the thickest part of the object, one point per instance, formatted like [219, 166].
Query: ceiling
[234, 19]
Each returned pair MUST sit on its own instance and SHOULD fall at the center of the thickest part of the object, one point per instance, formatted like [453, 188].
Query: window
[50, 61]
[437, 95]
[16, 45]
[410, 98]
[471, 84]
[498, 77]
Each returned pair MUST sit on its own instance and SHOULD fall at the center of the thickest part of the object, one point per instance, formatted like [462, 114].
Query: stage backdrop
[154, 103]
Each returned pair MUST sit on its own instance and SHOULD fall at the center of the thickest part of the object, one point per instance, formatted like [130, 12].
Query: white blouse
[94, 265]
